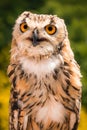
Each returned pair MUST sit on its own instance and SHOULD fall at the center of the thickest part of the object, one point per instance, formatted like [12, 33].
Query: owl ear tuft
[65, 27]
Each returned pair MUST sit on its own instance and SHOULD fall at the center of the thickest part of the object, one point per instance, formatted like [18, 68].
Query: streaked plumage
[45, 78]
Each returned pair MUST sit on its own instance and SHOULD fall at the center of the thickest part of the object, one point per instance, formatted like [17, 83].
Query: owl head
[37, 35]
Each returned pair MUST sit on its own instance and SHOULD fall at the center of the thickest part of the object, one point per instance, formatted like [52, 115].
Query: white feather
[42, 67]
[52, 110]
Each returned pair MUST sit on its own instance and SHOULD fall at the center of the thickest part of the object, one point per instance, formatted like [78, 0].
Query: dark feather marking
[71, 72]
[70, 109]
[68, 82]
[27, 77]
[75, 126]
[24, 19]
[40, 95]
[60, 46]
[51, 89]
[14, 81]
[14, 105]
[27, 15]
[23, 94]
[21, 116]
[66, 118]
[66, 74]
[67, 92]
[40, 57]
[75, 88]
[20, 124]
[70, 96]
[58, 125]
[29, 106]
[35, 83]
[61, 127]
[39, 103]
[65, 99]
[15, 94]
[66, 64]
[56, 100]
[41, 125]
[65, 89]
[25, 100]
[13, 64]
[56, 71]
[55, 76]
[32, 105]
[31, 123]
[53, 92]
[11, 72]
[47, 76]
[44, 102]
[29, 111]
[29, 94]
[21, 74]
[51, 125]
[45, 85]
[52, 21]
[39, 85]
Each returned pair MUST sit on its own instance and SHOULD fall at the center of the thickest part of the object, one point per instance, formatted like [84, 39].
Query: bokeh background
[74, 12]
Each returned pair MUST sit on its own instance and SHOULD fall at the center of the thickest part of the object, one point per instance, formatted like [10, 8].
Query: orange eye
[24, 27]
[50, 29]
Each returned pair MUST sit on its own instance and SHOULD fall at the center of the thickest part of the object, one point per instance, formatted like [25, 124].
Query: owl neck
[41, 67]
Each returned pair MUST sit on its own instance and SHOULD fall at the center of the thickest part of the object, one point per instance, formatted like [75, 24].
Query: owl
[45, 78]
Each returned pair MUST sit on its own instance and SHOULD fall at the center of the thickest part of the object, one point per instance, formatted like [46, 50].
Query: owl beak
[35, 37]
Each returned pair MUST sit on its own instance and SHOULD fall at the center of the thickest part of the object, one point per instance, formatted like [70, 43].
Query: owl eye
[24, 27]
[50, 29]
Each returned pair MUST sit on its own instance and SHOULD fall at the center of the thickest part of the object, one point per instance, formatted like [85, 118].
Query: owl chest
[38, 86]
[41, 78]
[43, 84]
[42, 105]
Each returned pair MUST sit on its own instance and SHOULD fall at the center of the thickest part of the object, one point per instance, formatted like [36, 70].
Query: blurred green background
[74, 12]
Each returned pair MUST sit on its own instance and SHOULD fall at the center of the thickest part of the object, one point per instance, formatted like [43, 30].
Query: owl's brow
[23, 20]
[27, 15]
[52, 20]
